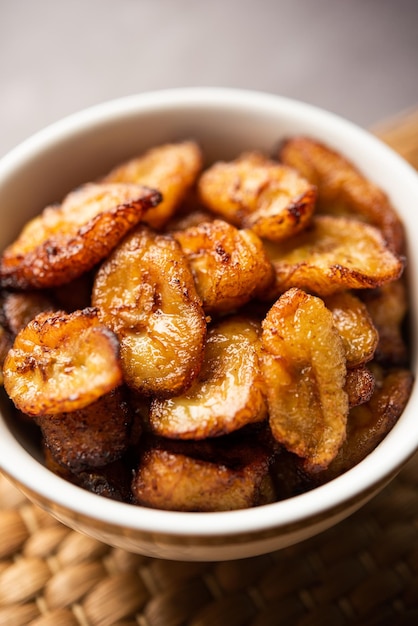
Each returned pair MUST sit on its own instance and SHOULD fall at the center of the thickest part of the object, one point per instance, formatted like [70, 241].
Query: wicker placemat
[364, 571]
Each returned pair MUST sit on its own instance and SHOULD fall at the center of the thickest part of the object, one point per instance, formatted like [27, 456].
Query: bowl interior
[225, 123]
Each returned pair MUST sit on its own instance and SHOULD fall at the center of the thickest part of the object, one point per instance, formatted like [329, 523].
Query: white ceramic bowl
[225, 122]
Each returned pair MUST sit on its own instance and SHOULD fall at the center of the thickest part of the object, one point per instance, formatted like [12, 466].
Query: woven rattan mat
[364, 571]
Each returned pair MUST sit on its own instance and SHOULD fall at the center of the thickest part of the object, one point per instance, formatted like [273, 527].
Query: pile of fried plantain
[209, 338]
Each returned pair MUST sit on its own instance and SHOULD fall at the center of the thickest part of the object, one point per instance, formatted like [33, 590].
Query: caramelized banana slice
[227, 394]
[369, 423]
[229, 265]
[146, 294]
[388, 307]
[304, 368]
[90, 437]
[170, 168]
[217, 477]
[334, 254]
[69, 239]
[342, 189]
[254, 192]
[355, 326]
[61, 362]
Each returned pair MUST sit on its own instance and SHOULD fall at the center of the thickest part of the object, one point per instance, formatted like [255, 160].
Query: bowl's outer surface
[224, 122]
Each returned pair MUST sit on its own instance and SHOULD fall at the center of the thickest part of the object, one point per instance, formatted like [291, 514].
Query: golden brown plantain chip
[355, 326]
[171, 168]
[255, 192]
[305, 371]
[228, 419]
[221, 476]
[334, 254]
[90, 437]
[227, 394]
[69, 239]
[229, 265]
[145, 293]
[61, 362]
[342, 189]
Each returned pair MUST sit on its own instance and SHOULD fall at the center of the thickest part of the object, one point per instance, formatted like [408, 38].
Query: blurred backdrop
[358, 58]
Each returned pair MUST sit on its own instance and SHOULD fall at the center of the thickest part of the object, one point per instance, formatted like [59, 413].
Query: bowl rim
[399, 445]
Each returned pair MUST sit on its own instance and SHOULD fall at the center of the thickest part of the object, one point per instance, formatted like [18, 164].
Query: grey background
[358, 58]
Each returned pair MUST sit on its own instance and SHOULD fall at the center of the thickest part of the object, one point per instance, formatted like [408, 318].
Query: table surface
[364, 571]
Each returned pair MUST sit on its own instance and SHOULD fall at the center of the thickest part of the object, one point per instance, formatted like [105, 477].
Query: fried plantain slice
[145, 293]
[288, 477]
[359, 385]
[334, 254]
[227, 394]
[369, 423]
[305, 370]
[22, 306]
[255, 192]
[90, 437]
[218, 476]
[388, 306]
[171, 168]
[355, 326]
[61, 362]
[6, 342]
[67, 240]
[110, 481]
[342, 189]
[229, 265]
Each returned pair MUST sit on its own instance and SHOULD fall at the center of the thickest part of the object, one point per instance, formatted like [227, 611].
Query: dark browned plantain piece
[111, 481]
[69, 239]
[205, 476]
[359, 385]
[20, 307]
[90, 437]
[6, 341]
[388, 307]
[369, 423]
[342, 188]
